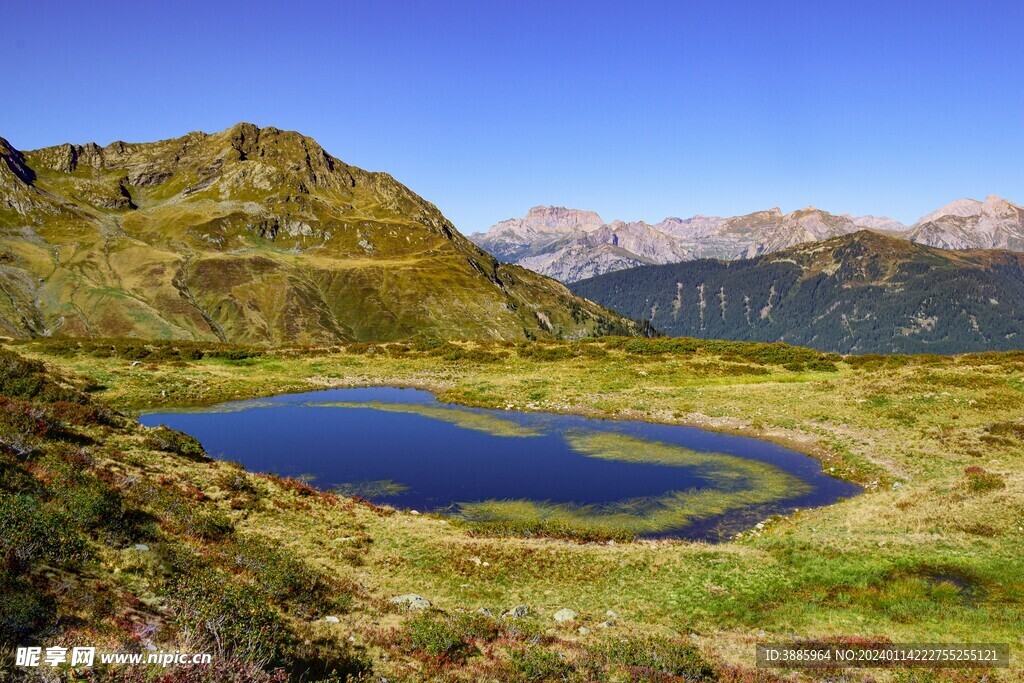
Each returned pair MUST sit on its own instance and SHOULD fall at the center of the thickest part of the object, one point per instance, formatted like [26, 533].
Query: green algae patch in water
[460, 417]
[371, 489]
[735, 483]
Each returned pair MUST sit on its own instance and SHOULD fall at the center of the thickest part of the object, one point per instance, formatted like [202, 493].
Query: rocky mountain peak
[969, 224]
[544, 239]
[263, 236]
[561, 218]
[961, 207]
[14, 162]
[875, 222]
[996, 206]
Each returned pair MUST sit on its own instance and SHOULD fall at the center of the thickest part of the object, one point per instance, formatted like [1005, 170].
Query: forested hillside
[862, 293]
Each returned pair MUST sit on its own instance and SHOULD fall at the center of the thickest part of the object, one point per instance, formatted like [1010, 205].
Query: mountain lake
[403, 448]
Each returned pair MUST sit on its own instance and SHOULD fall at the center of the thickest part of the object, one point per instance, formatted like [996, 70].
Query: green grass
[932, 551]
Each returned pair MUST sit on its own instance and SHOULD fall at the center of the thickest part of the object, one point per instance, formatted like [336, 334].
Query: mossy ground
[932, 551]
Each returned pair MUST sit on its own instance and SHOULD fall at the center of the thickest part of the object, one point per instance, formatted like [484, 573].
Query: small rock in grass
[583, 631]
[564, 615]
[142, 547]
[607, 624]
[414, 512]
[410, 601]
[611, 615]
[517, 612]
[332, 620]
[486, 612]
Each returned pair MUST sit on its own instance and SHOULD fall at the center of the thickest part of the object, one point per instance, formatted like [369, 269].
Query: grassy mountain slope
[249, 235]
[861, 293]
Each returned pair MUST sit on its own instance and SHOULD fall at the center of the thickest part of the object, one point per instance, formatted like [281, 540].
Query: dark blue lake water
[402, 447]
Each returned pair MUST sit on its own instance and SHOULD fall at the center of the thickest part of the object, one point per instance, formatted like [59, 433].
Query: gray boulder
[410, 601]
[565, 614]
[517, 612]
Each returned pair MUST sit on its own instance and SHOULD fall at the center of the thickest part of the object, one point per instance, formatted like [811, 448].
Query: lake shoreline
[693, 509]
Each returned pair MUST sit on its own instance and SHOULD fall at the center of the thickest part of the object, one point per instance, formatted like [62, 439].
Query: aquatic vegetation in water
[734, 483]
[460, 417]
[379, 488]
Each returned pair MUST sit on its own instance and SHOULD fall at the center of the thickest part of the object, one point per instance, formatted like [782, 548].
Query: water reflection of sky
[439, 462]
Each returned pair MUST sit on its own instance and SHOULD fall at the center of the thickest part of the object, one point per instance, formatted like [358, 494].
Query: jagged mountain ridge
[579, 245]
[249, 235]
[994, 223]
[858, 293]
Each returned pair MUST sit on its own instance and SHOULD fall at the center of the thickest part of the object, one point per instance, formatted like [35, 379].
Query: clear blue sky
[637, 110]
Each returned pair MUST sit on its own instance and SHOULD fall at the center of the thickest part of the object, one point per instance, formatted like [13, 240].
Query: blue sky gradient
[636, 110]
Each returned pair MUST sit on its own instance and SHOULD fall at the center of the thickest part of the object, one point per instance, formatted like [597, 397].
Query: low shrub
[536, 664]
[169, 440]
[224, 616]
[1012, 430]
[33, 531]
[179, 513]
[433, 634]
[27, 609]
[81, 414]
[24, 427]
[982, 481]
[26, 379]
[287, 580]
[652, 655]
[544, 353]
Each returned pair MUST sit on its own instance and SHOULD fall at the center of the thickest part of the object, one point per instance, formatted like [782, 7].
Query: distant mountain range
[250, 235]
[863, 292]
[571, 245]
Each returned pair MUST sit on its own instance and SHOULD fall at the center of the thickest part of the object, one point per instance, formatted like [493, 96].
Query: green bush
[169, 440]
[287, 580]
[536, 664]
[26, 379]
[660, 655]
[225, 616]
[27, 610]
[33, 532]
[540, 352]
[433, 634]
[181, 514]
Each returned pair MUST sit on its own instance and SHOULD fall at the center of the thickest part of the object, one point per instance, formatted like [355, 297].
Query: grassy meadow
[933, 550]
